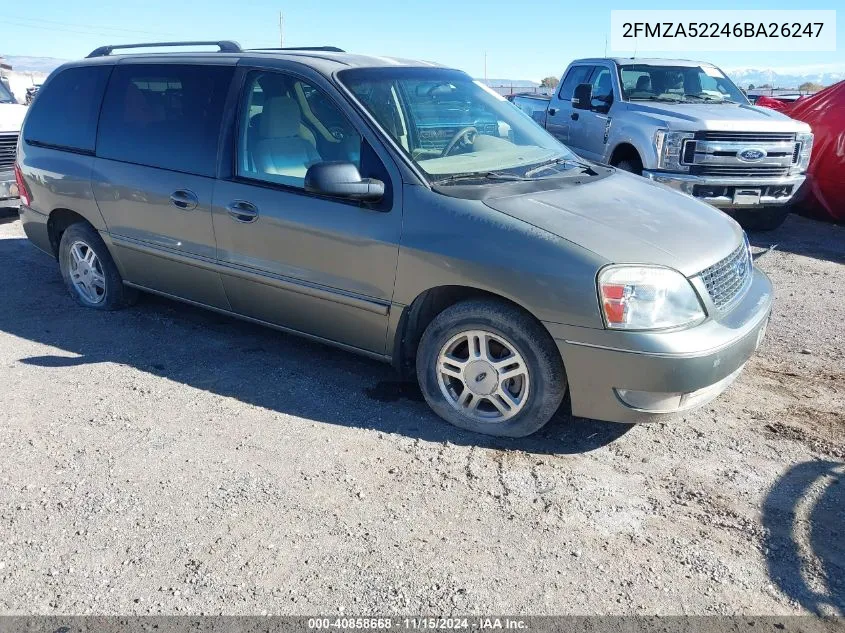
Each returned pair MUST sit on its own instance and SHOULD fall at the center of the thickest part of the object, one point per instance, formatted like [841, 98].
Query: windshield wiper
[486, 175]
[709, 98]
[556, 161]
[656, 98]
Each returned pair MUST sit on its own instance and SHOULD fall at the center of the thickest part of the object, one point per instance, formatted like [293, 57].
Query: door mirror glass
[583, 97]
[342, 180]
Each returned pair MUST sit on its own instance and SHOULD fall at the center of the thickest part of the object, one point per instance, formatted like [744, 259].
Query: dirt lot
[166, 459]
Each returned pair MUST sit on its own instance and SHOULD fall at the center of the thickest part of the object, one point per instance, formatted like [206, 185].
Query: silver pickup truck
[11, 118]
[686, 125]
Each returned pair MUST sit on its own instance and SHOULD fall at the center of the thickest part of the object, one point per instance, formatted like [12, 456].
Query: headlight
[806, 141]
[670, 148]
[647, 298]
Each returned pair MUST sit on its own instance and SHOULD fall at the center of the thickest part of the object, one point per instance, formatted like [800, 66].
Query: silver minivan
[393, 208]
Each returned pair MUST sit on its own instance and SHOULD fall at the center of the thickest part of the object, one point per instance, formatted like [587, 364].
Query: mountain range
[785, 77]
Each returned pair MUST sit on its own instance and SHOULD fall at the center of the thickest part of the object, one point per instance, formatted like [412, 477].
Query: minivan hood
[724, 117]
[628, 219]
[11, 117]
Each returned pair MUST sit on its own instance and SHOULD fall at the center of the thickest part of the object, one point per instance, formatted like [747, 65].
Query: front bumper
[719, 191]
[8, 190]
[695, 364]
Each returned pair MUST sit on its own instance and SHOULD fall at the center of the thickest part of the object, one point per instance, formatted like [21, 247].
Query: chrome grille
[8, 145]
[727, 279]
[738, 170]
[746, 137]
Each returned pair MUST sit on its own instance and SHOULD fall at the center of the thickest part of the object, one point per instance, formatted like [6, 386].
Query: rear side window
[576, 75]
[65, 114]
[164, 115]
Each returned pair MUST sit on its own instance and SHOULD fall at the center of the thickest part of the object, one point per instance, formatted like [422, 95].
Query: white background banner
[703, 30]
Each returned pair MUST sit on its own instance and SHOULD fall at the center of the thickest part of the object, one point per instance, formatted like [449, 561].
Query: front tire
[632, 165]
[89, 271]
[488, 367]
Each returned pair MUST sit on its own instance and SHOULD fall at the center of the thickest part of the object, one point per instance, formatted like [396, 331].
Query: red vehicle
[823, 193]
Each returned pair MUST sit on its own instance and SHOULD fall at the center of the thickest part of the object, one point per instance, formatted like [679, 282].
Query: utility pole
[281, 30]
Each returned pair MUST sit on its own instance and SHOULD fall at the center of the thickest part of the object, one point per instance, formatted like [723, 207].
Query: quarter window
[576, 75]
[164, 115]
[287, 125]
[65, 113]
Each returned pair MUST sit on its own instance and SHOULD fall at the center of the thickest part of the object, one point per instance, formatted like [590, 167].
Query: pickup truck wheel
[632, 165]
[89, 271]
[762, 219]
[488, 367]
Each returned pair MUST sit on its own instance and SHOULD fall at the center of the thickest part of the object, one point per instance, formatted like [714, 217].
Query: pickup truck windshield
[453, 127]
[5, 95]
[678, 84]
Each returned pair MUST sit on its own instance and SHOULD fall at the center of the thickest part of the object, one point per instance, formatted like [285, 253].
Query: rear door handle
[574, 116]
[184, 199]
[552, 111]
[242, 211]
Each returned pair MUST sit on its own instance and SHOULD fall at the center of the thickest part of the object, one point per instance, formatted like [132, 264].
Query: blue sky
[527, 39]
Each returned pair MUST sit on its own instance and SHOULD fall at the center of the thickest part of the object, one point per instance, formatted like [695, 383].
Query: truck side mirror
[583, 97]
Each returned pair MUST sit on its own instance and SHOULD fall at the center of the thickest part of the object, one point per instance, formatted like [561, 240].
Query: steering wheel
[464, 136]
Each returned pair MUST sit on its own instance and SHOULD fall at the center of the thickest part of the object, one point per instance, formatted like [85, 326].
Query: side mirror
[342, 180]
[583, 97]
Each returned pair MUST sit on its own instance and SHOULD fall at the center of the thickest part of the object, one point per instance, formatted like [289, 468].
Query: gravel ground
[164, 459]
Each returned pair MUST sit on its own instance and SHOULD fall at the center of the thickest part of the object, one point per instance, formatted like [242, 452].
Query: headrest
[643, 82]
[280, 118]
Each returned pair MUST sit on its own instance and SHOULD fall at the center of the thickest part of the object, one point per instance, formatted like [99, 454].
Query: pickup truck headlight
[806, 141]
[647, 298]
[670, 148]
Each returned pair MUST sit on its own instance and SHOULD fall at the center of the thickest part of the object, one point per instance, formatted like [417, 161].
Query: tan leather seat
[280, 149]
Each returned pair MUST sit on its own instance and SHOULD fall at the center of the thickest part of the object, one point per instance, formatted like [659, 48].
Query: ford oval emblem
[752, 154]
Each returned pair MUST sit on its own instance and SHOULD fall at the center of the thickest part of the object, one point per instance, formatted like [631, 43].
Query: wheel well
[57, 223]
[417, 316]
[625, 151]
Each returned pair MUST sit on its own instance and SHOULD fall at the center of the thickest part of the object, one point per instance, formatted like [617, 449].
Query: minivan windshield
[455, 128]
[5, 95]
[678, 84]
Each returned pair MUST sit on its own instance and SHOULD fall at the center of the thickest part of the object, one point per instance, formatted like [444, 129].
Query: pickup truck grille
[738, 171]
[741, 154]
[745, 137]
[8, 145]
[727, 279]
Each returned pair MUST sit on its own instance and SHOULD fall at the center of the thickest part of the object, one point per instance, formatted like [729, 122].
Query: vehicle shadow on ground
[8, 215]
[803, 236]
[804, 514]
[253, 364]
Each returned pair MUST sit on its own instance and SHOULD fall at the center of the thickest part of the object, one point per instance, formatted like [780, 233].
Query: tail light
[23, 190]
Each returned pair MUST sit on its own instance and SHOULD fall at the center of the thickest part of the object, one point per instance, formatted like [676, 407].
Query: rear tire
[515, 372]
[762, 219]
[89, 271]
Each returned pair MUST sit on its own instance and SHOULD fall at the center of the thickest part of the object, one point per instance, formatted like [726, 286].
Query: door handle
[242, 211]
[184, 199]
[574, 116]
[552, 111]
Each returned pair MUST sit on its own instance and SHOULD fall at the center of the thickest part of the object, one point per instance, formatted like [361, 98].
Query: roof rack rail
[327, 49]
[225, 46]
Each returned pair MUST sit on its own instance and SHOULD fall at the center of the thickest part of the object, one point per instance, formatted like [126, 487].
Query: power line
[88, 32]
[23, 25]
[85, 26]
